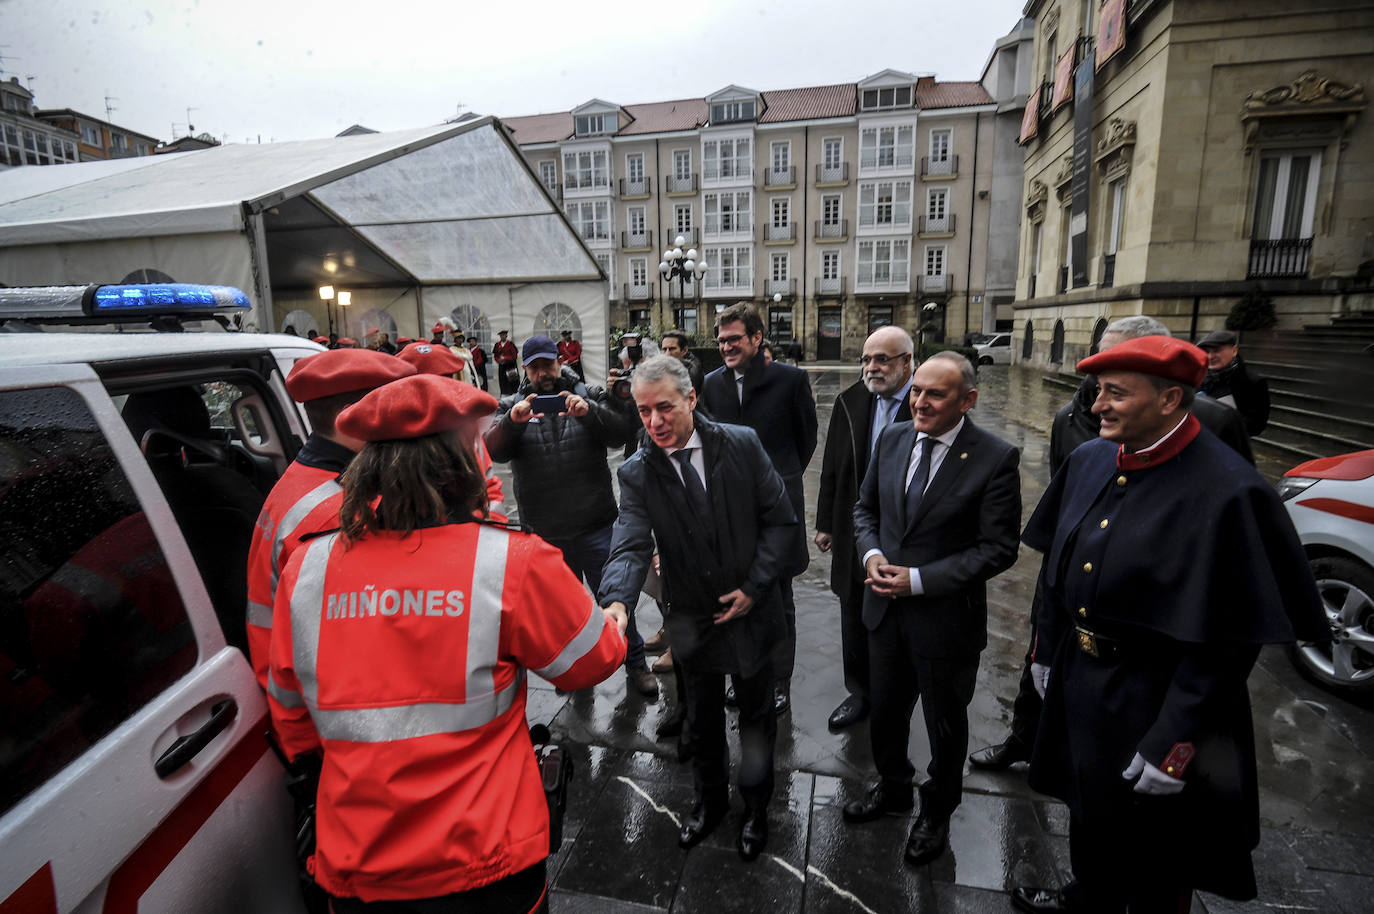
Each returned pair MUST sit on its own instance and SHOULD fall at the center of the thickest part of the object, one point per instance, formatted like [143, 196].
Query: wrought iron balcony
[837, 230]
[835, 174]
[1285, 258]
[781, 233]
[832, 286]
[940, 168]
[780, 177]
[787, 288]
[938, 285]
[689, 236]
[929, 225]
[635, 292]
[631, 240]
[676, 185]
[641, 188]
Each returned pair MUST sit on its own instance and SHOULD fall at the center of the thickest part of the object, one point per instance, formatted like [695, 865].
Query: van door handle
[188, 747]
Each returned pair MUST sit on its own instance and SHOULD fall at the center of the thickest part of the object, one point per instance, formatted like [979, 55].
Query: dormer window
[594, 124]
[733, 111]
[887, 97]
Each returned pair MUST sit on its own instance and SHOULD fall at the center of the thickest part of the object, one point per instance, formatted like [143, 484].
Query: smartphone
[548, 405]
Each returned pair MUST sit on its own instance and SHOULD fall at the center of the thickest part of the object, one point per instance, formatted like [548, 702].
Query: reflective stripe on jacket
[408, 658]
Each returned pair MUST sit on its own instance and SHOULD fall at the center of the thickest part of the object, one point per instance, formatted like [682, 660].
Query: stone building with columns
[1183, 156]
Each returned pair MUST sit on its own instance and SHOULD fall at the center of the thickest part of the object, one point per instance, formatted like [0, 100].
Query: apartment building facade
[29, 136]
[835, 209]
[1183, 156]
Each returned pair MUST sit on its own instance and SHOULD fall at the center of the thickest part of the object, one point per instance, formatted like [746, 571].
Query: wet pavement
[620, 853]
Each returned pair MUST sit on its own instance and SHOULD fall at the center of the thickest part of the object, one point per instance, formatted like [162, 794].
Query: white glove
[1040, 677]
[1152, 781]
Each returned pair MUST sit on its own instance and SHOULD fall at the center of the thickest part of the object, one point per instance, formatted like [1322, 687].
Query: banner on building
[1030, 121]
[1063, 81]
[1081, 178]
[1111, 30]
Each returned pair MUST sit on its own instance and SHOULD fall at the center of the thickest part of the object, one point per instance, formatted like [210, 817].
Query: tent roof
[453, 203]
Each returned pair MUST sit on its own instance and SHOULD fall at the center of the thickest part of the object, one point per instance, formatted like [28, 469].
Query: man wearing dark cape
[1168, 562]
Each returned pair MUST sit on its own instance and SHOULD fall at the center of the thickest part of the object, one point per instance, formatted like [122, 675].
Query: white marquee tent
[417, 225]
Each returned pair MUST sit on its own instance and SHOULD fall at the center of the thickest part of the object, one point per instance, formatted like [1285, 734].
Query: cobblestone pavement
[620, 854]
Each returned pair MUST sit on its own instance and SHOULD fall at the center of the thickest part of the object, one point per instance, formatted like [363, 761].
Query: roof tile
[809, 103]
[951, 95]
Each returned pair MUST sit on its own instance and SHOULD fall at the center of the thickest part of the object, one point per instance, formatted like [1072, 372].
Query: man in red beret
[306, 498]
[1168, 562]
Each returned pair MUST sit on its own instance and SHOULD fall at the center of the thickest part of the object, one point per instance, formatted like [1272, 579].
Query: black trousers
[785, 651]
[1107, 877]
[899, 676]
[854, 641]
[525, 892]
[757, 734]
[509, 385]
[1025, 710]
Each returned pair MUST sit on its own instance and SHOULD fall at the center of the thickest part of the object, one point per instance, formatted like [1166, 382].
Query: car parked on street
[995, 351]
[1331, 502]
[135, 773]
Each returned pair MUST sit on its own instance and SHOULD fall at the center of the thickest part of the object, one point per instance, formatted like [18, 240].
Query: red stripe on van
[38, 895]
[147, 862]
[1341, 508]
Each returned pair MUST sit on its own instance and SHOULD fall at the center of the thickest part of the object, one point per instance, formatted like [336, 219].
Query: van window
[91, 624]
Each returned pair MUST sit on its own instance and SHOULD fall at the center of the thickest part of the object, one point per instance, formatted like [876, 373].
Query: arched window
[375, 321]
[146, 275]
[472, 322]
[556, 317]
[302, 323]
[1098, 329]
[1028, 343]
[1057, 344]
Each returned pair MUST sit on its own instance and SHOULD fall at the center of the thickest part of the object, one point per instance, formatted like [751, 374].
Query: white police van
[134, 770]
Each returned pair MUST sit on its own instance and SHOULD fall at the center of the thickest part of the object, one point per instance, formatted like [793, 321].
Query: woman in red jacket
[401, 645]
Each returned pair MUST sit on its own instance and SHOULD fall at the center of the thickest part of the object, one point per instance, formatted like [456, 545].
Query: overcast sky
[286, 69]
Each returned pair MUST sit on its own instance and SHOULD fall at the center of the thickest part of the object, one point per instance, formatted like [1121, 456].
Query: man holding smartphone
[554, 432]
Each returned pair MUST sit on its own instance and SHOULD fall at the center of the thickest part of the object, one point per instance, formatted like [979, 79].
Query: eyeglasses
[729, 340]
[883, 359]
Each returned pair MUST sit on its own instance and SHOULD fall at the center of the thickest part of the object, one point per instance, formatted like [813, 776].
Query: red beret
[429, 358]
[426, 404]
[1161, 356]
[339, 371]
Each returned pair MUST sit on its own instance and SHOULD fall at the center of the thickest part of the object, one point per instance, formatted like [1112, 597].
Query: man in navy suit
[775, 400]
[939, 513]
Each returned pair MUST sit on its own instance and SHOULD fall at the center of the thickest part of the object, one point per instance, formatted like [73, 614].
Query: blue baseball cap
[538, 347]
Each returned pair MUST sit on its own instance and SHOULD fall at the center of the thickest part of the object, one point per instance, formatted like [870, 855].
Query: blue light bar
[162, 298]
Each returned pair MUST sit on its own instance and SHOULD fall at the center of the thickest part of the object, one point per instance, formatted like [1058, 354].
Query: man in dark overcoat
[708, 495]
[775, 400]
[1168, 562]
[862, 411]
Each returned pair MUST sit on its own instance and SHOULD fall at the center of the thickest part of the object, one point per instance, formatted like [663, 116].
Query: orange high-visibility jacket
[406, 657]
[306, 500]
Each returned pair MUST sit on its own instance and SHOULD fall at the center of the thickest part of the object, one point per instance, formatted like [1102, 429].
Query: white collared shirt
[739, 386]
[698, 461]
[1161, 441]
[938, 450]
[894, 403]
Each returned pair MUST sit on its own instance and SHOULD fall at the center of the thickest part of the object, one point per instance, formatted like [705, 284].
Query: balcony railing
[834, 174]
[831, 286]
[1283, 259]
[944, 283]
[786, 232]
[947, 167]
[780, 177]
[886, 158]
[641, 188]
[929, 225]
[787, 288]
[689, 236]
[631, 240]
[676, 185]
[737, 226]
[642, 292]
[1108, 270]
[833, 229]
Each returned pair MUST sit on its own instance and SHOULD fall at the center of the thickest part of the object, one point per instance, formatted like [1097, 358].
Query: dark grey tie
[696, 492]
[919, 479]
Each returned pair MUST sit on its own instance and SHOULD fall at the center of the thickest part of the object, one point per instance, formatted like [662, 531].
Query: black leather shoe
[753, 834]
[1033, 899]
[852, 710]
[702, 820]
[1000, 757]
[927, 840]
[880, 800]
[782, 699]
[671, 725]
[642, 681]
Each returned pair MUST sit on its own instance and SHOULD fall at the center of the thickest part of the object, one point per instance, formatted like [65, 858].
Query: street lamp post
[345, 299]
[327, 296]
[680, 265]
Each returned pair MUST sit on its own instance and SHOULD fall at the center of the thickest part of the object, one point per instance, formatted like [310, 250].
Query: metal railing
[1286, 258]
[676, 185]
[638, 292]
[832, 286]
[833, 229]
[689, 236]
[942, 283]
[787, 288]
[780, 177]
[929, 225]
[786, 232]
[636, 239]
[835, 174]
[947, 166]
[641, 188]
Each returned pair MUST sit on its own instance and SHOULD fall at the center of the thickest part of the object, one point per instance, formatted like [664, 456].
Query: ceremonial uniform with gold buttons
[1165, 571]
